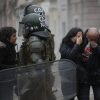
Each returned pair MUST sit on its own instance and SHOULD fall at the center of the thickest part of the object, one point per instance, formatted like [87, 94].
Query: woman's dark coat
[73, 52]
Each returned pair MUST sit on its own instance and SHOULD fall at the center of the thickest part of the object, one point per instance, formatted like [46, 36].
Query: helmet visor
[21, 29]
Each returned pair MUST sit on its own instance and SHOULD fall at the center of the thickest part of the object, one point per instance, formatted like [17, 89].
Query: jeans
[6, 91]
[7, 81]
[84, 91]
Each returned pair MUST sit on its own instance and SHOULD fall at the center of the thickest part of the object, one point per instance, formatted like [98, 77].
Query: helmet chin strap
[47, 29]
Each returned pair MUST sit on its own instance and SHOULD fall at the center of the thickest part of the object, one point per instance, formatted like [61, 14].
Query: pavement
[91, 96]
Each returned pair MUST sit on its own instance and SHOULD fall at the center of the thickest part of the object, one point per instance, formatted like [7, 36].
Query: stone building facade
[84, 13]
[7, 12]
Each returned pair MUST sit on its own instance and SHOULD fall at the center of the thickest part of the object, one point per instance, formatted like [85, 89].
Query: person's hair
[6, 32]
[72, 32]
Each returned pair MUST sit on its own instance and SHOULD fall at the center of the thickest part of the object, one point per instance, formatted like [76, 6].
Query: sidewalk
[91, 96]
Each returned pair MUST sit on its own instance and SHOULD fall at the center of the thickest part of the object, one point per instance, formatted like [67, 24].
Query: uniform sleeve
[67, 52]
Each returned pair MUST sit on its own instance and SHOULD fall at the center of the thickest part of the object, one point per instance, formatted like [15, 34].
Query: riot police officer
[36, 48]
[46, 33]
[31, 8]
[36, 38]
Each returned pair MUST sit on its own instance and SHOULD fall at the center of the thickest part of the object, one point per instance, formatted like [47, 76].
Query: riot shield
[8, 81]
[47, 81]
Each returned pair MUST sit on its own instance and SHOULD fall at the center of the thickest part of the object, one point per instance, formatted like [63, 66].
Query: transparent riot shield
[8, 81]
[47, 81]
[31, 83]
[21, 29]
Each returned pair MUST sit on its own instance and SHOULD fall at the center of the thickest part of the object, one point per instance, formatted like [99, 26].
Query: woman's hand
[79, 40]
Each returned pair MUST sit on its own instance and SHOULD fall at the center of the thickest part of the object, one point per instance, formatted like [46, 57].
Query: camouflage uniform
[47, 50]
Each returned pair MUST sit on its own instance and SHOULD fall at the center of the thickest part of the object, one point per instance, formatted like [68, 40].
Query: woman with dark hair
[71, 46]
[7, 60]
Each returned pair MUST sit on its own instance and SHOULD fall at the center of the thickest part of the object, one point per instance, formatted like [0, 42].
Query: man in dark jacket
[91, 60]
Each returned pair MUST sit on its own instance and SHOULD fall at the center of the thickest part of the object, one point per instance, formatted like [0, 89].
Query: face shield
[21, 29]
[24, 29]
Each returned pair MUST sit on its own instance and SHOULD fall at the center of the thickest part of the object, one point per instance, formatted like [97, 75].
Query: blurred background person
[91, 60]
[7, 61]
[71, 48]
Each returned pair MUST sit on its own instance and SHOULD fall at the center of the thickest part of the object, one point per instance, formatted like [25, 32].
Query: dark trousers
[6, 91]
[84, 91]
[7, 81]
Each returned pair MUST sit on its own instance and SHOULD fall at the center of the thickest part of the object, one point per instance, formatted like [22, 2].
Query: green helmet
[31, 23]
[33, 20]
[31, 8]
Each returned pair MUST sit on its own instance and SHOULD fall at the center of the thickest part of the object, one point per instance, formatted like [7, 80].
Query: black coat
[92, 66]
[73, 52]
[7, 56]
[70, 51]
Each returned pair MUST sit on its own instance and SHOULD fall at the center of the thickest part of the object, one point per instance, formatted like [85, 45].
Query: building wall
[53, 24]
[84, 13]
[75, 13]
[7, 13]
[58, 21]
[91, 13]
